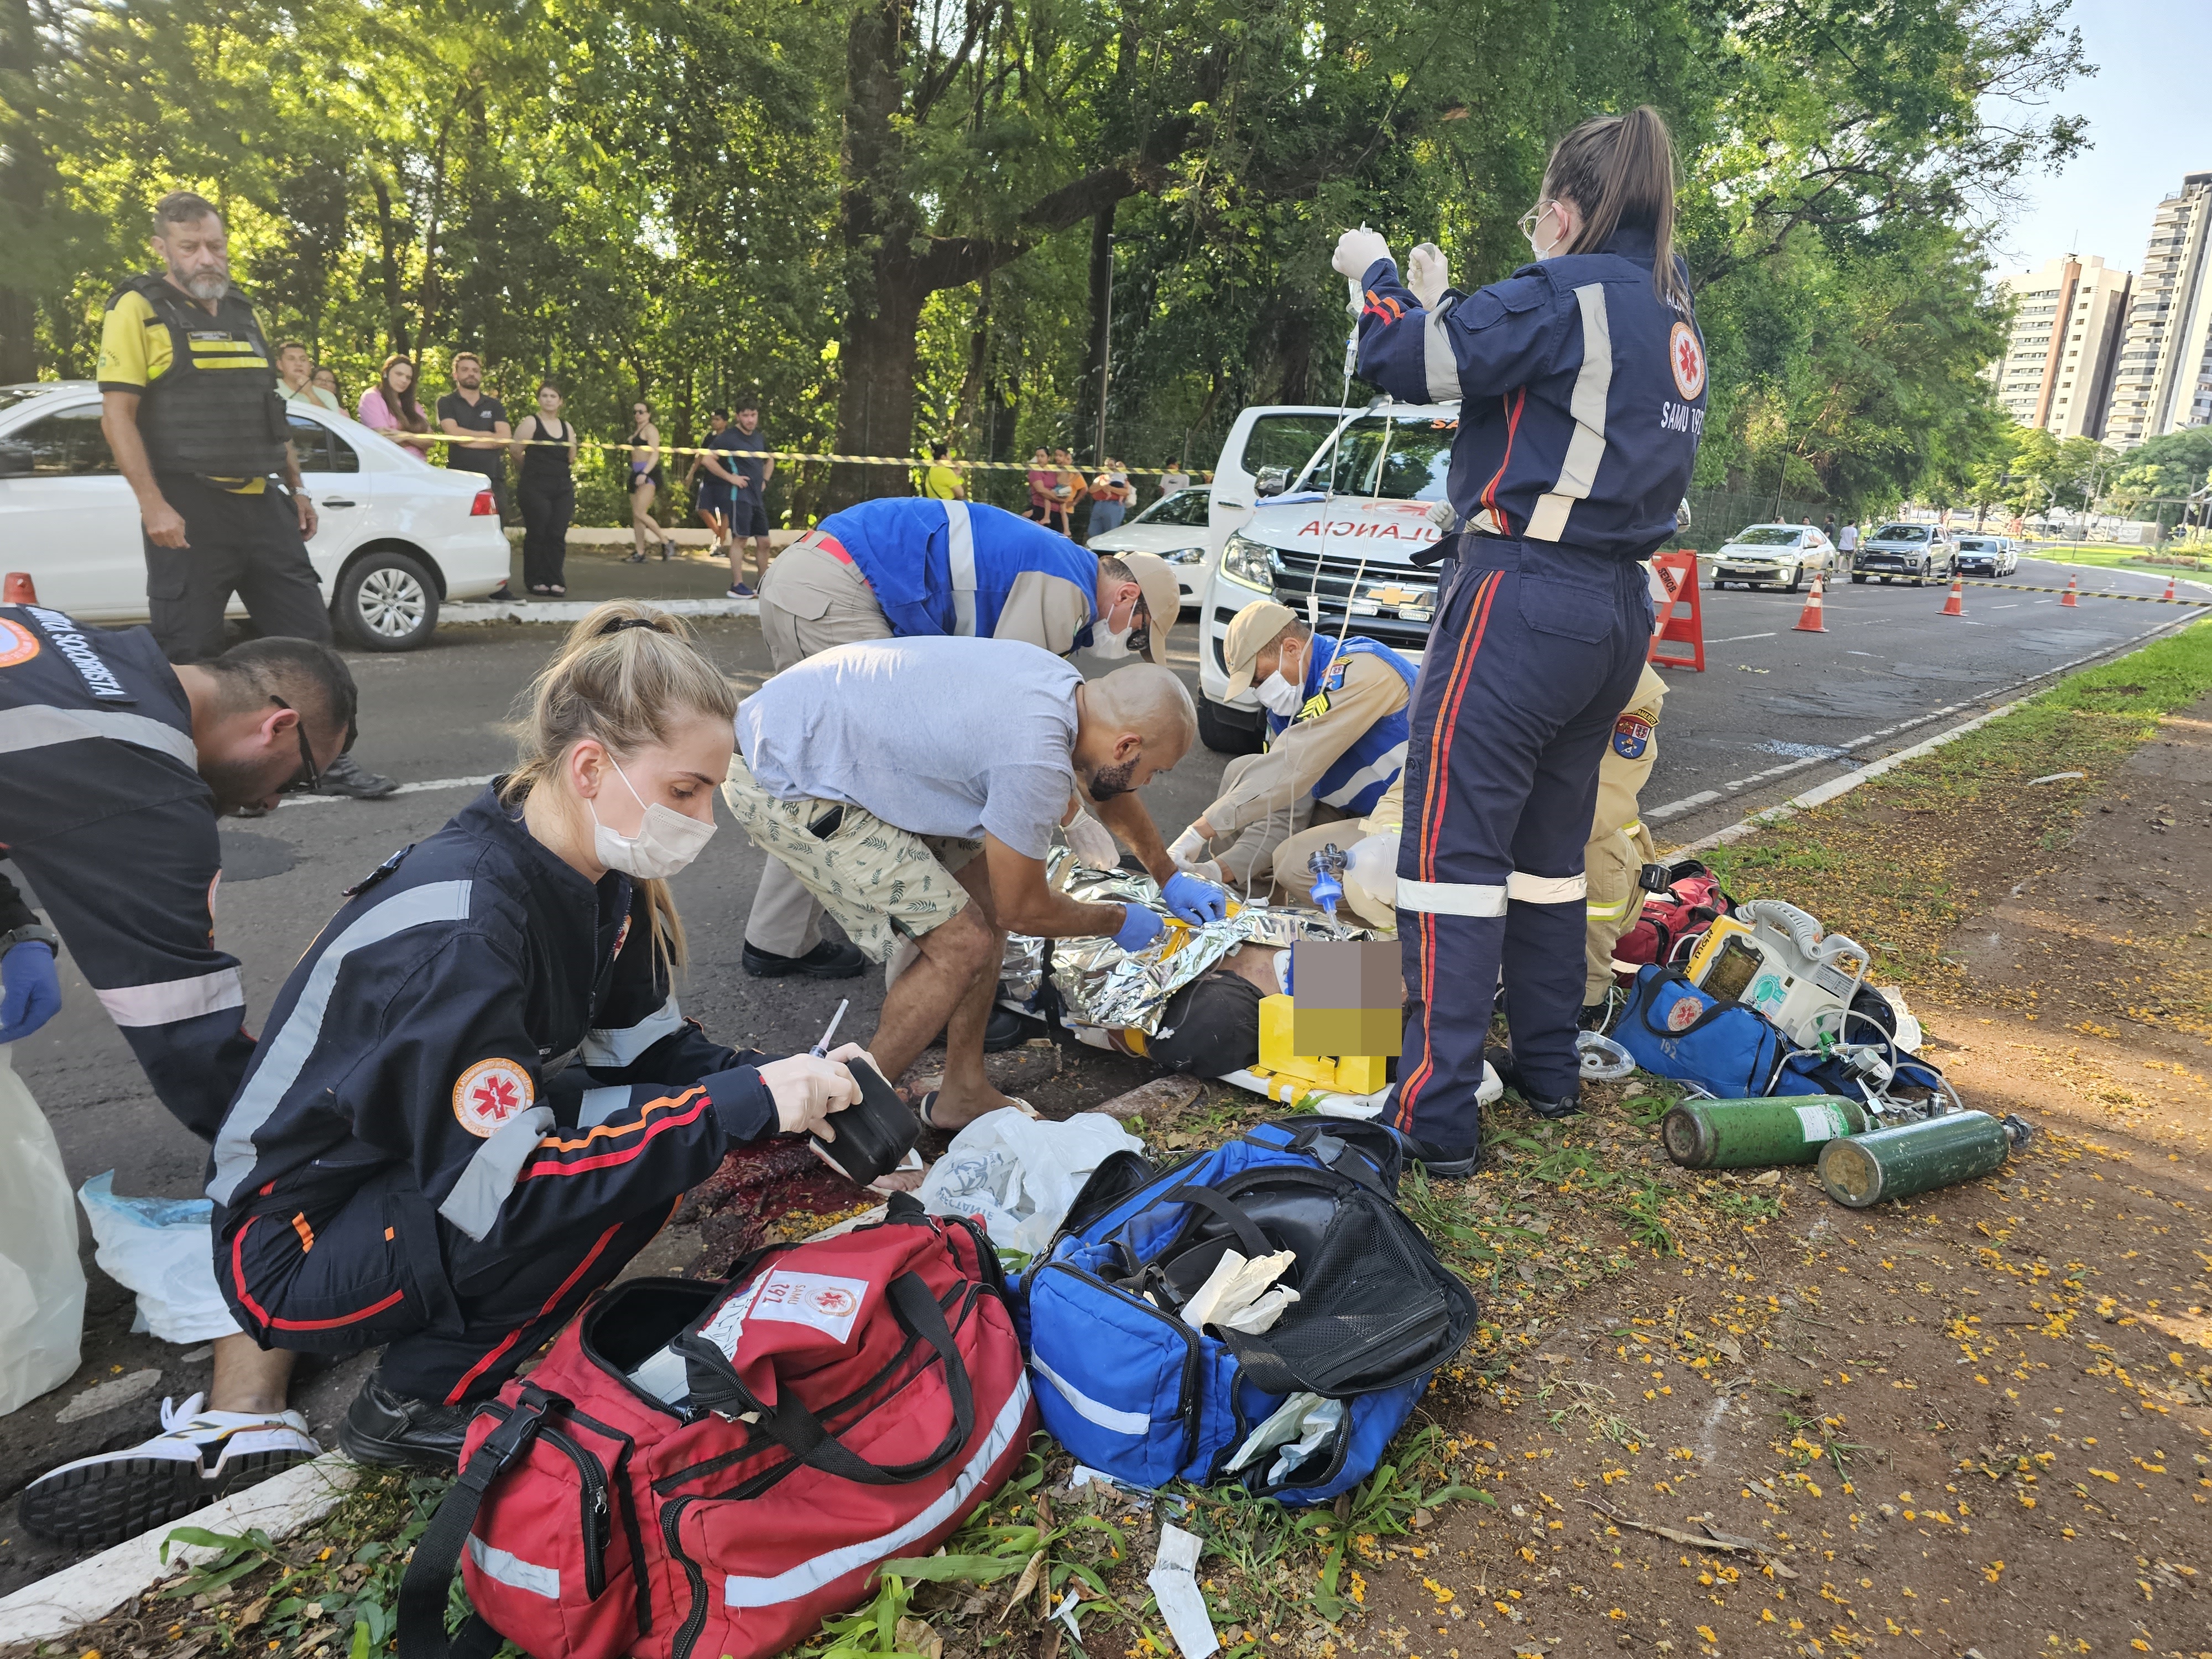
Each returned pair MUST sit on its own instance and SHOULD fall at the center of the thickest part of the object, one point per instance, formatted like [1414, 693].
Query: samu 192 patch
[490, 1096]
[1632, 734]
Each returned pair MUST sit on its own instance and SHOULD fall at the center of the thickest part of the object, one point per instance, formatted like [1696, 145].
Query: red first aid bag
[841, 1403]
[1671, 922]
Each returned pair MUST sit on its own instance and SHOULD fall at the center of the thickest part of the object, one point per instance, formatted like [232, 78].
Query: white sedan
[1174, 527]
[397, 536]
[1771, 556]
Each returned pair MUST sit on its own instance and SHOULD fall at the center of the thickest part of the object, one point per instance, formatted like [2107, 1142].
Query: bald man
[878, 772]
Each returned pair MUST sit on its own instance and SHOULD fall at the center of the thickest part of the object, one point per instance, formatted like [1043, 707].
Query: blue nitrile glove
[1139, 927]
[1194, 900]
[30, 989]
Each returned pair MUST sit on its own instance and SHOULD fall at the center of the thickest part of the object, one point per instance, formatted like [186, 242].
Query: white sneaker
[198, 1456]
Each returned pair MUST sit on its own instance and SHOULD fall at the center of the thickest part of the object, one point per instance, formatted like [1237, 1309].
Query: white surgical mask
[664, 842]
[1278, 696]
[1107, 642]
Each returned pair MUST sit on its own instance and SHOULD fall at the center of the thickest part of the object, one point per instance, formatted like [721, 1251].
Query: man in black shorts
[748, 494]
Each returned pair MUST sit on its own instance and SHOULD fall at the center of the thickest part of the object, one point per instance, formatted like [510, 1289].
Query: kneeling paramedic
[114, 766]
[1620, 846]
[1582, 382]
[476, 1098]
[1336, 742]
[909, 567]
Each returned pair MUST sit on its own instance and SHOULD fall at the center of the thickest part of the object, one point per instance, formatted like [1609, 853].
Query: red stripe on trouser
[245, 1299]
[551, 1302]
[1439, 778]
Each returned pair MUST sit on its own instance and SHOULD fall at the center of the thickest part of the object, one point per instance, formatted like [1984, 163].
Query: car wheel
[1796, 579]
[1856, 580]
[1220, 736]
[387, 600]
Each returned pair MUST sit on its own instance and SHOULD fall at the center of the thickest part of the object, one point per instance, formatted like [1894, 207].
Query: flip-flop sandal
[926, 1109]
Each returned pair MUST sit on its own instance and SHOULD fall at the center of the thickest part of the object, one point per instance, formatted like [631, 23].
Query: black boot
[1501, 1061]
[345, 776]
[828, 960]
[384, 1427]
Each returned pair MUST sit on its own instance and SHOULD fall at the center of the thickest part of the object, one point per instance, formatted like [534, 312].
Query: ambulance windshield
[1398, 461]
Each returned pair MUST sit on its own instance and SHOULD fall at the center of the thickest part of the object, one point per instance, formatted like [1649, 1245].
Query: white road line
[403, 789]
[1733, 638]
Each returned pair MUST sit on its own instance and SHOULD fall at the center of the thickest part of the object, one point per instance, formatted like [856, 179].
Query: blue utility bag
[1674, 1030]
[1131, 1389]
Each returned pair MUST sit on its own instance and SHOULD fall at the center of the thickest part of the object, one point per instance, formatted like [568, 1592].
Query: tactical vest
[952, 574]
[1363, 772]
[216, 411]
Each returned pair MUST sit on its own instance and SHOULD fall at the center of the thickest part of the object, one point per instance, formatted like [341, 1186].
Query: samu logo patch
[490, 1095]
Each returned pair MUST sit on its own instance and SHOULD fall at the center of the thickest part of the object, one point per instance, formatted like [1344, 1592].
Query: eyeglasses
[309, 777]
[1527, 221]
[1140, 628]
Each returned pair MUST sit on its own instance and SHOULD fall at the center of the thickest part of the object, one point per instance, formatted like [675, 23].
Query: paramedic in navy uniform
[1581, 386]
[476, 1098]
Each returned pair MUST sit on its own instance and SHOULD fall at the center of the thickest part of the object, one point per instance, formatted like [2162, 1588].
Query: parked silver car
[1915, 553]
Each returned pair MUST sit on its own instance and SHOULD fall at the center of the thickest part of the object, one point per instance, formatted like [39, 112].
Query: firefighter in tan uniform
[1336, 743]
[1619, 844]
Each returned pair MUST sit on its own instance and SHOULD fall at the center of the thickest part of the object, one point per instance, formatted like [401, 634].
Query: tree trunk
[1096, 367]
[875, 391]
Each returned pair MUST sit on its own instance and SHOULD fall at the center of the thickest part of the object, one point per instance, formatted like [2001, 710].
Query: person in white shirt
[297, 371]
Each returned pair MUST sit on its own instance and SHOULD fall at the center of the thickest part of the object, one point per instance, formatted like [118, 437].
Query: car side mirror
[1271, 481]
[17, 460]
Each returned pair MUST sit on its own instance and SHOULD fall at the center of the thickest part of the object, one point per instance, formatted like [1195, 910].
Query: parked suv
[1917, 553]
[395, 536]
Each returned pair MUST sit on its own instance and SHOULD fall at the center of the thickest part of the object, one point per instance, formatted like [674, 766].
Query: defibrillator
[1773, 957]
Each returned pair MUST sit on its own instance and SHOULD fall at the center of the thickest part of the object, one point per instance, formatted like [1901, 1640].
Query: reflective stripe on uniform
[1633, 830]
[600, 1104]
[960, 559]
[1383, 767]
[1593, 386]
[613, 1046]
[284, 1051]
[1546, 890]
[167, 1001]
[40, 726]
[1607, 912]
[473, 1205]
[1452, 898]
[1436, 360]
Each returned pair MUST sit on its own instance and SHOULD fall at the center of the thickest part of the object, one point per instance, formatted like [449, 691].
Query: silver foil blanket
[1101, 984]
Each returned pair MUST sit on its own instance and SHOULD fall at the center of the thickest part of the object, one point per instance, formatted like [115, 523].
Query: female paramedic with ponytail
[1581, 380]
[476, 1098]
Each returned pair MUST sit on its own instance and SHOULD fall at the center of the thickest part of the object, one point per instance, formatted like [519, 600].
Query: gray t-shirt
[938, 735]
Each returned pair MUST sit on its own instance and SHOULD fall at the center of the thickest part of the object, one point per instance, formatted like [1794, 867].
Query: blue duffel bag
[1672, 1028]
[1131, 1389]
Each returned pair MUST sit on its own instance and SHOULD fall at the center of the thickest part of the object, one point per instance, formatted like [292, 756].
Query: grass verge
[1899, 862]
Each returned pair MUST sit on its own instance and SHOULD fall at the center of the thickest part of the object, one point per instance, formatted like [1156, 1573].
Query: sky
[2149, 123]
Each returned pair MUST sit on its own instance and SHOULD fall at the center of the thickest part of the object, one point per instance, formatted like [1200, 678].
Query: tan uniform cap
[1163, 597]
[1250, 632]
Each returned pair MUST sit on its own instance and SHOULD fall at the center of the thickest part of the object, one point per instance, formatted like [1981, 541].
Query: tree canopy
[901, 220]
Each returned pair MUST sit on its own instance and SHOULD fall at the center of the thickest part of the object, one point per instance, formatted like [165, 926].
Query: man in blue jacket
[909, 566]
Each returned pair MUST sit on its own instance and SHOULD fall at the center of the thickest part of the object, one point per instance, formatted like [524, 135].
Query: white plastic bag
[1021, 1174]
[41, 1282]
[164, 1250]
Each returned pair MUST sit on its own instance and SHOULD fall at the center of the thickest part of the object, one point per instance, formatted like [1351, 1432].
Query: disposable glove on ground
[30, 989]
[1357, 251]
[1193, 900]
[1139, 927]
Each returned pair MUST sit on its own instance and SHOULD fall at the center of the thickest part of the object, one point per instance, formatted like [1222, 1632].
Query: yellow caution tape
[475, 442]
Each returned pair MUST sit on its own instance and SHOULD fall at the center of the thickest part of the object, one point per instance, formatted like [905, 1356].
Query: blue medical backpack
[1125, 1384]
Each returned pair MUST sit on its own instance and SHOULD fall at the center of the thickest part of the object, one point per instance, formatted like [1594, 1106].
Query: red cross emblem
[1687, 356]
[489, 1095]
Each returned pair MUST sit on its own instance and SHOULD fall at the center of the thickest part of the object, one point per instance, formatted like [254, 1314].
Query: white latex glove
[1187, 848]
[1092, 841]
[806, 1090]
[1428, 273]
[1357, 251]
[1204, 870]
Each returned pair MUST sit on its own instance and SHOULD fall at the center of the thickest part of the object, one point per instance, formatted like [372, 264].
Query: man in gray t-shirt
[878, 772]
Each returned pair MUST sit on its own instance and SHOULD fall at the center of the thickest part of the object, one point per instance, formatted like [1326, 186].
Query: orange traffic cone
[2169, 590]
[1809, 619]
[1956, 605]
[2068, 599]
[18, 589]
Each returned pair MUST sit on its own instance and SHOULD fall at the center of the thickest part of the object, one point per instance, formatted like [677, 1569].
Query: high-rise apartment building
[2164, 379]
[2066, 332]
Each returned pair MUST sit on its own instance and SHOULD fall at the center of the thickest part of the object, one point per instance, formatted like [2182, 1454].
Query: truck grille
[1327, 580]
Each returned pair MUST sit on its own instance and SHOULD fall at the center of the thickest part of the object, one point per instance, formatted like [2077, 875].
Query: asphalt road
[1775, 712]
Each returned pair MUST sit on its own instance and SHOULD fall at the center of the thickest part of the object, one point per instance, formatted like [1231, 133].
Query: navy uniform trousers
[1534, 655]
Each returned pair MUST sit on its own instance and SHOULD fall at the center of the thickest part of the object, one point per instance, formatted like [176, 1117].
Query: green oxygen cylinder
[1863, 1170]
[1742, 1134]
